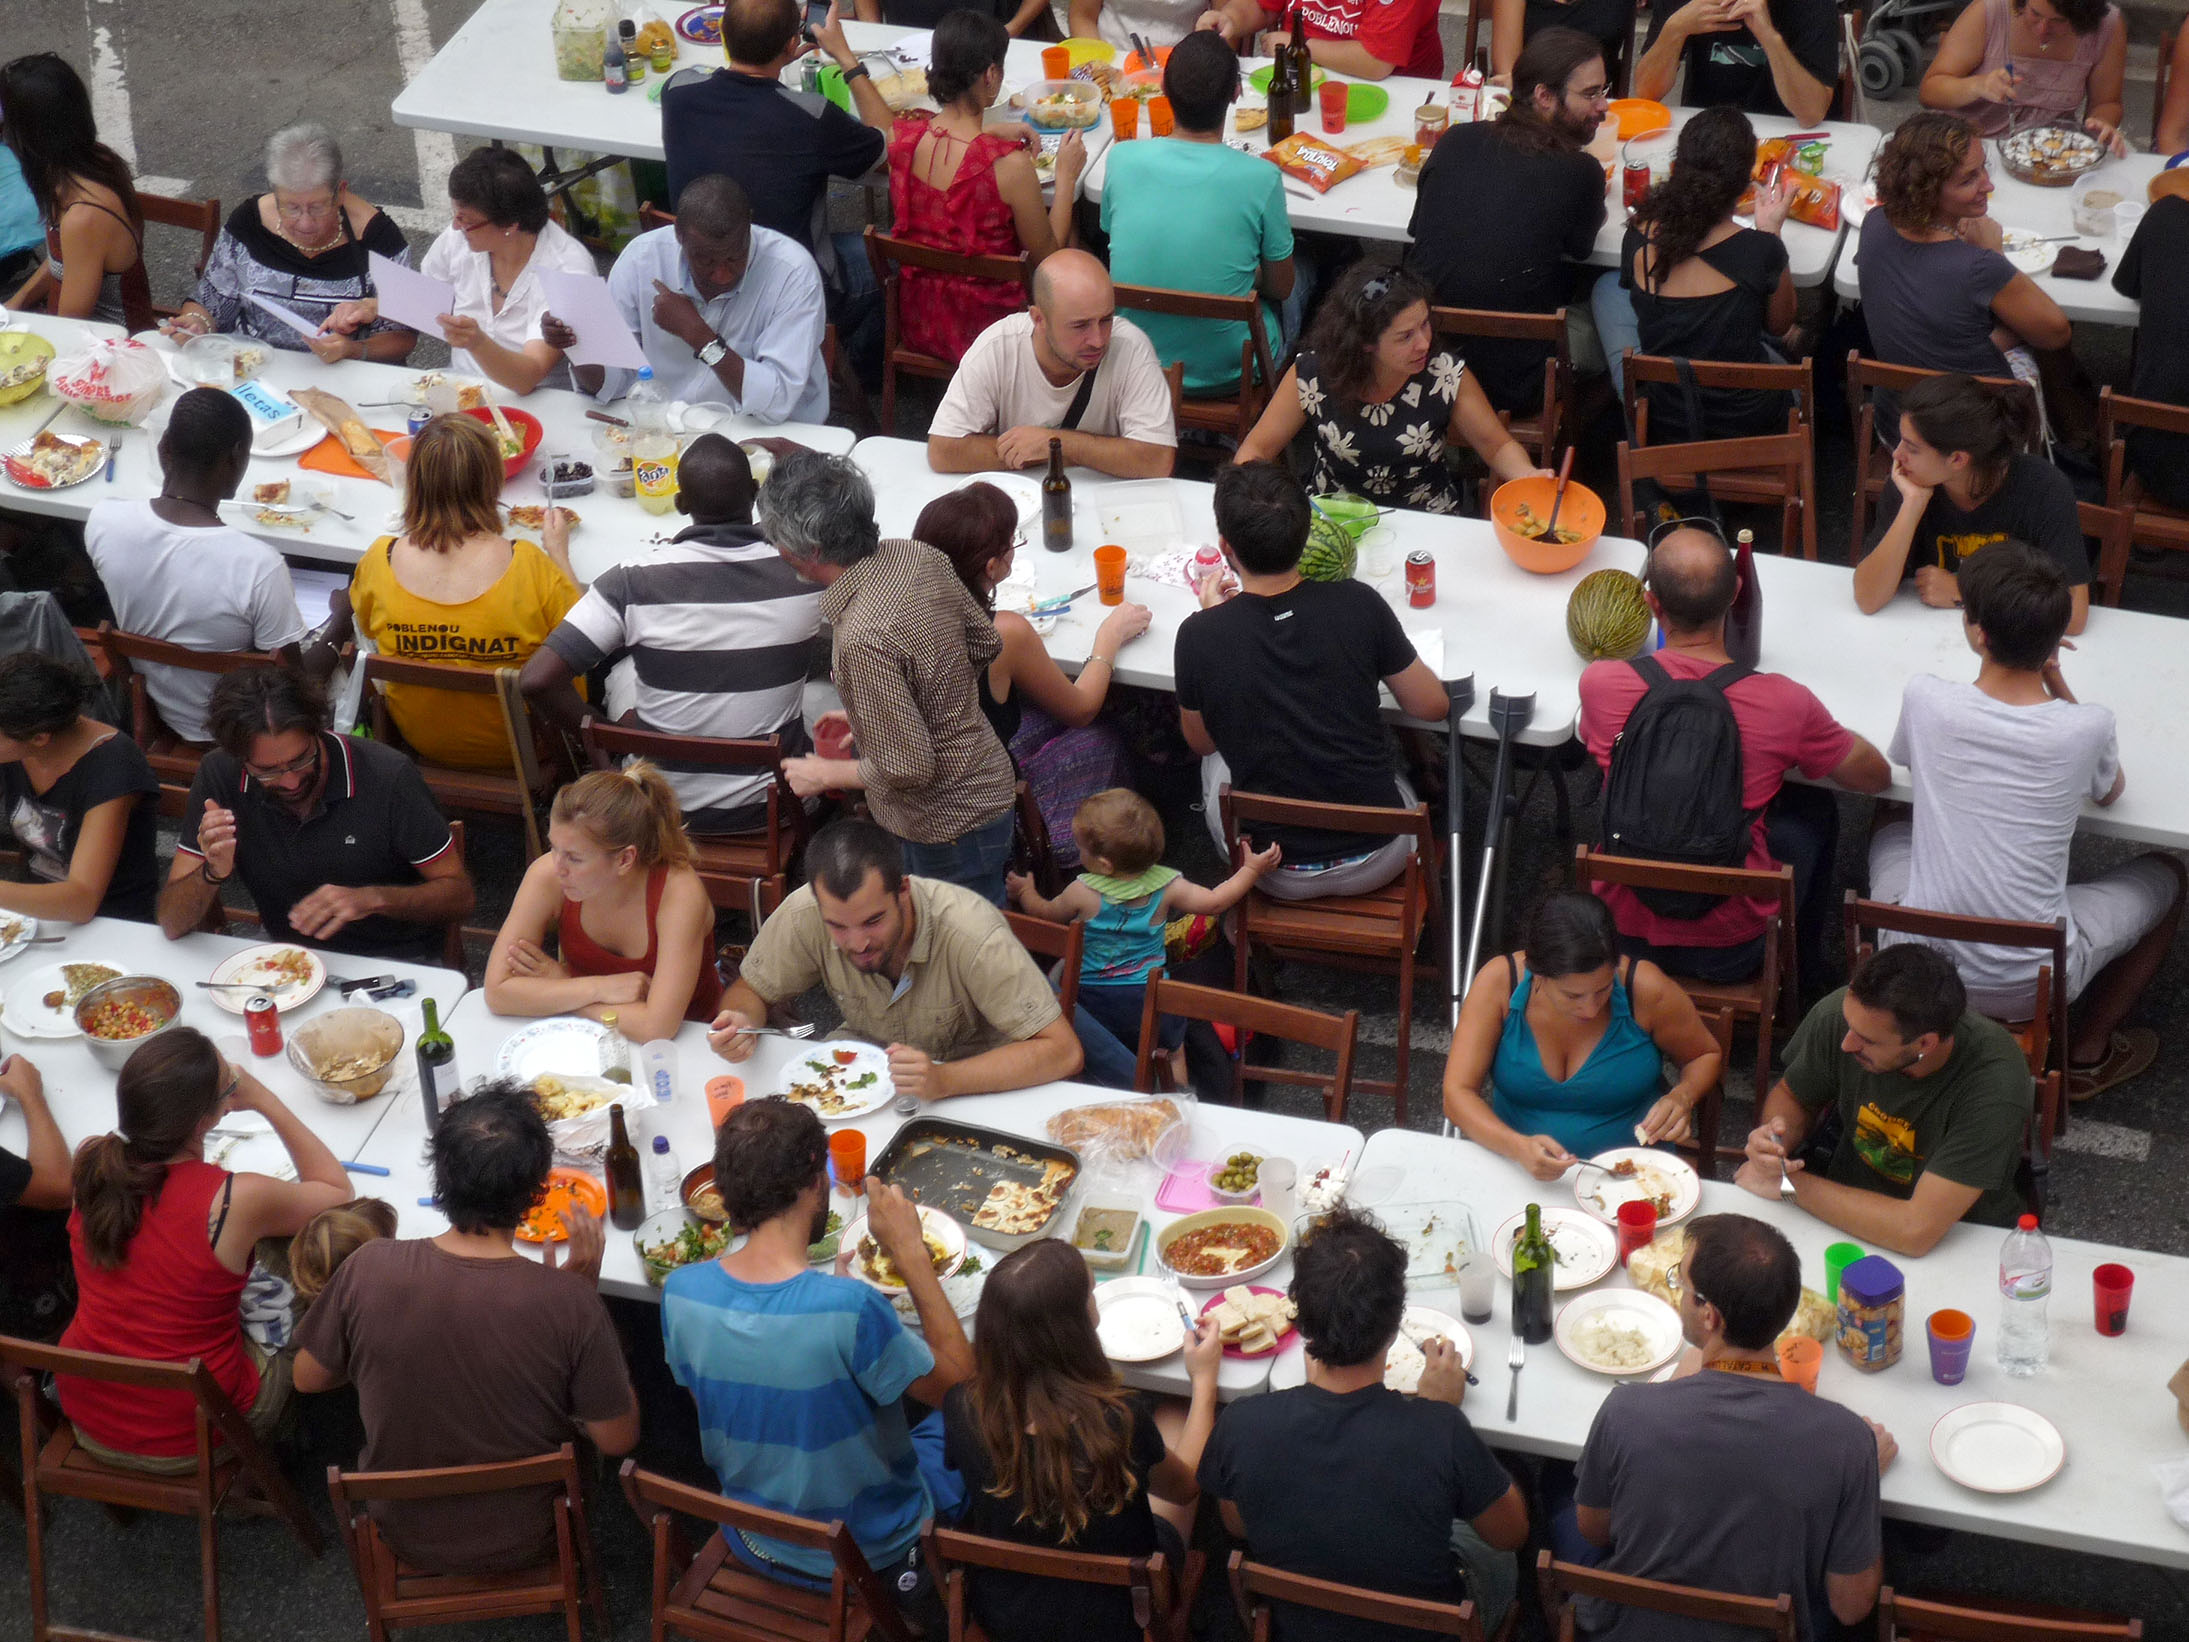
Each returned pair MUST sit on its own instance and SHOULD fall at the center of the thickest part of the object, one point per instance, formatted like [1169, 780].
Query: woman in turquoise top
[1561, 1047]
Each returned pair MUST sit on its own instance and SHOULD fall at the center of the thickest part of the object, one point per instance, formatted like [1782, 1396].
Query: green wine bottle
[440, 1085]
[1534, 1268]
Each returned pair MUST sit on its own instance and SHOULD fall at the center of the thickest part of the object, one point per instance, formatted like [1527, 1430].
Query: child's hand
[1017, 885]
[1261, 861]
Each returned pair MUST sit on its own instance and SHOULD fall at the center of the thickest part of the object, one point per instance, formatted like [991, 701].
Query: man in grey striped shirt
[709, 634]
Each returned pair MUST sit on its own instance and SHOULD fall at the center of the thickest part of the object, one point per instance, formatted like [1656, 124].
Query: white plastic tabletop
[2107, 1396]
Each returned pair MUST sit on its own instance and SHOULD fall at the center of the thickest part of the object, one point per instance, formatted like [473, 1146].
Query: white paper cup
[2125, 217]
[1279, 1179]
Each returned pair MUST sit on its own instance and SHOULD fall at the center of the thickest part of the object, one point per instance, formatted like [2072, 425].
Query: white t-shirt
[472, 273]
[1159, 22]
[1998, 790]
[999, 386]
[206, 587]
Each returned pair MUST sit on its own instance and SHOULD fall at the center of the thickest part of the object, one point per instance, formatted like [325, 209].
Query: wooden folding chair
[233, 1468]
[1789, 457]
[748, 872]
[889, 255]
[1774, 992]
[1912, 1619]
[173, 760]
[1233, 414]
[1873, 462]
[2151, 522]
[1538, 434]
[1255, 1587]
[398, 1595]
[1334, 1034]
[2110, 528]
[1160, 1604]
[516, 795]
[1061, 945]
[1561, 1582]
[1708, 1119]
[711, 1596]
[1755, 487]
[201, 217]
[1033, 850]
[1380, 931]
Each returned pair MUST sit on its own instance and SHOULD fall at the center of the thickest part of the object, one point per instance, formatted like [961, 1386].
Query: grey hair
[303, 156]
[820, 507]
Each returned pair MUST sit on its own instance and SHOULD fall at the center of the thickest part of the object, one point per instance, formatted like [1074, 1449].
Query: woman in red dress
[960, 188]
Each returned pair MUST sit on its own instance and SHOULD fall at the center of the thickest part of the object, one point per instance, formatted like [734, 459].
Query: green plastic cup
[1837, 1258]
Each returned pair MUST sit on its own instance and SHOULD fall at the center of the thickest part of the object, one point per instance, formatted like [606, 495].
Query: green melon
[1607, 617]
[1330, 552]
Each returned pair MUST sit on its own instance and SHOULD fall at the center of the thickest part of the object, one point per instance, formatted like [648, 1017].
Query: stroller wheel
[1879, 67]
[1910, 48]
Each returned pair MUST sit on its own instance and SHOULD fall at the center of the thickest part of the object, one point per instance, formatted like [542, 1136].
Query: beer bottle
[1056, 503]
[626, 1188]
[1280, 93]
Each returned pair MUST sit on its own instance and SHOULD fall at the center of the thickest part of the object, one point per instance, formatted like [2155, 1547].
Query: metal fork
[1516, 1359]
[1786, 1183]
[805, 1031]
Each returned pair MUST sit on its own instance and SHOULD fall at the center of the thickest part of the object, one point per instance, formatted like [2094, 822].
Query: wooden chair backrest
[1373, 821]
[2112, 528]
[1255, 1585]
[950, 1552]
[1523, 327]
[1860, 917]
[1643, 368]
[1561, 1582]
[1912, 1619]
[607, 744]
[1775, 883]
[201, 217]
[889, 253]
[1791, 454]
[2118, 410]
[122, 650]
[1335, 1034]
[2160, 80]
[1063, 944]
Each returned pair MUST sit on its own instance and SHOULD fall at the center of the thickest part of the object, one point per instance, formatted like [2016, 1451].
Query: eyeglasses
[1598, 93]
[228, 1089]
[275, 772]
[304, 210]
[1018, 540]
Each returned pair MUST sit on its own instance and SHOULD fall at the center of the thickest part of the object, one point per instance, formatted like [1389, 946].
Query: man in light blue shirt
[727, 312]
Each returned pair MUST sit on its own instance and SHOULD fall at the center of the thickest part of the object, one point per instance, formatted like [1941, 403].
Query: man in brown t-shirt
[464, 1352]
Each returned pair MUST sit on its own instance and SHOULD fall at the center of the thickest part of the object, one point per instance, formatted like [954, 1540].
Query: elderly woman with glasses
[1385, 401]
[303, 245]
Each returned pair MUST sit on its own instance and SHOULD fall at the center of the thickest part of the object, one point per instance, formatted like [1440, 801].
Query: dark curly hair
[766, 1154]
[1349, 1285]
[1710, 170]
[1366, 301]
[2083, 16]
[1917, 162]
[491, 1152]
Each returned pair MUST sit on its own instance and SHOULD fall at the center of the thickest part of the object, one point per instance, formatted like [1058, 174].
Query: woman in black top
[1053, 1452]
[1702, 286]
[78, 796]
[1515, 22]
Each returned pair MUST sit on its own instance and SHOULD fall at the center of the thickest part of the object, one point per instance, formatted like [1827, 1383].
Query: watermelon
[1330, 552]
[1607, 617]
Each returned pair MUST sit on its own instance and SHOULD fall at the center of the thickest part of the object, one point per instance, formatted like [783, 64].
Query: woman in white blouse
[498, 241]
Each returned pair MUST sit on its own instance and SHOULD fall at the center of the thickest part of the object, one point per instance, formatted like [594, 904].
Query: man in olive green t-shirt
[1933, 1100]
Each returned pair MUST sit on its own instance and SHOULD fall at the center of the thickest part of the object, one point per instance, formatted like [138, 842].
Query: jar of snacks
[1873, 1304]
[1430, 122]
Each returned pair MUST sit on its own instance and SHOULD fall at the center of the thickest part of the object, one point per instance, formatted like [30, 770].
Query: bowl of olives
[1235, 1179]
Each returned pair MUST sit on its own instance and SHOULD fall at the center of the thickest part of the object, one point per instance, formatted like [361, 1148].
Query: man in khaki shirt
[927, 968]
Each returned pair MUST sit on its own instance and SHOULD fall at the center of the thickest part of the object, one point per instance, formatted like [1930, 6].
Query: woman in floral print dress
[1385, 402]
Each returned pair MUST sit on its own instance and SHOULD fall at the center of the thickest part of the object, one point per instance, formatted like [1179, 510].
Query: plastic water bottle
[644, 407]
[667, 1178]
[2025, 1284]
[657, 1069]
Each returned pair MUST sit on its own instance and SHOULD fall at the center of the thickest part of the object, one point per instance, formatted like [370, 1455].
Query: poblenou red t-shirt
[1403, 32]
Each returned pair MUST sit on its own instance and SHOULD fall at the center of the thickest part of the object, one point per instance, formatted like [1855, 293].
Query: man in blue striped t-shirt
[799, 1375]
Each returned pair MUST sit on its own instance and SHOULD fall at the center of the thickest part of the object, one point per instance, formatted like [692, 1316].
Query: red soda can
[263, 1021]
[1634, 182]
[1421, 579]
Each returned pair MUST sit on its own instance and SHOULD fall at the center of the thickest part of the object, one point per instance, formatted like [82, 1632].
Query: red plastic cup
[1334, 94]
[832, 736]
[2112, 1284]
[847, 1152]
[1637, 1226]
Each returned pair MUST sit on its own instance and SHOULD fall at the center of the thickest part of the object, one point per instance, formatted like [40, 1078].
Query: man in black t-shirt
[1347, 1479]
[1277, 689]
[2155, 270]
[1763, 56]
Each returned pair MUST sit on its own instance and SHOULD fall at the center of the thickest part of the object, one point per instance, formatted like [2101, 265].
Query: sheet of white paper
[582, 302]
[308, 329]
[409, 297]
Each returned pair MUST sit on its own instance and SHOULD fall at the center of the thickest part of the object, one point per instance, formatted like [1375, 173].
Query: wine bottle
[1303, 61]
[1056, 503]
[1744, 621]
[1534, 1268]
[626, 1187]
[440, 1085]
[1280, 93]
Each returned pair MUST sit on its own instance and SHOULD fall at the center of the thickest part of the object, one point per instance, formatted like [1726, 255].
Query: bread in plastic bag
[1115, 1132]
[110, 379]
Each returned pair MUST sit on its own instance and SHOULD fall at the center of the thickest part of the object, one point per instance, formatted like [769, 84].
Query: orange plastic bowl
[1583, 511]
[525, 424]
[1638, 116]
[1135, 62]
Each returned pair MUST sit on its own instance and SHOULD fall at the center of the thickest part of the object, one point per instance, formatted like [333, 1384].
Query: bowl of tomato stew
[1219, 1247]
[117, 1016]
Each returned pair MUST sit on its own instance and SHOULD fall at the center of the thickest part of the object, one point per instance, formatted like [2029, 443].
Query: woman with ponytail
[1694, 284]
[1964, 480]
[632, 920]
[162, 1243]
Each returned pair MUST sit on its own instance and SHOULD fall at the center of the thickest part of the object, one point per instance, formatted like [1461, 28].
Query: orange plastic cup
[847, 1152]
[1110, 573]
[1800, 1361]
[1125, 117]
[1159, 116]
[1334, 94]
[724, 1095]
[1056, 62]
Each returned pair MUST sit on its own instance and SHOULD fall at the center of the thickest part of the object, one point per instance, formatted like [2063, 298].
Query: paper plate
[1601, 1194]
[573, 1186]
[1585, 1246]
[2024, 248]
[1139, 1319]
[255, 967]
[25, 1011]
[1402, 1370]
[1086, 50]
[569, 1044]
[1657, 1323]
[295, 443]
[1997, 1448]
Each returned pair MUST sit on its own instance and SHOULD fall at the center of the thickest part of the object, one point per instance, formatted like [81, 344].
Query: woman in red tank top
[633, 920]
[162, 1244]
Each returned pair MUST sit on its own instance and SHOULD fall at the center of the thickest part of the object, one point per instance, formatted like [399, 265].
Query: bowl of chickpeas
[1235, 1179]
[118, 1016]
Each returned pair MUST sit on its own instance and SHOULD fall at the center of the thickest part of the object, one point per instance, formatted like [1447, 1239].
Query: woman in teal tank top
[1561, 1047]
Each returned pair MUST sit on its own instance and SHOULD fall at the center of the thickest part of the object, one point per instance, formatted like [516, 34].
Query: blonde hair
[1121, 827]
[454, 484]
[631, 808]
[330, 1237]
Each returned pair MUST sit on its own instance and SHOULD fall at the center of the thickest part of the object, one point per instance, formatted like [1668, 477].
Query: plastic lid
[661, 1144]
[1872, 1280]
[646, 373]
[2028, 1222]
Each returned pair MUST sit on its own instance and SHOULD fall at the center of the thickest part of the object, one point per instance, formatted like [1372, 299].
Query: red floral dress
[942, 313]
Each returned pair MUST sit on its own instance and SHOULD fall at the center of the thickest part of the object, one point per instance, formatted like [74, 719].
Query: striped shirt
[710, 635]
[910, 644]
[797, 1385]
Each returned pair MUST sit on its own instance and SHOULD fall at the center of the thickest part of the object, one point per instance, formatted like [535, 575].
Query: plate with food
[55, 461]
[1219, 1247]
[1626, 1174]
[1583, 1247]
[1138, 1320]
[566, 1189]
[43, 1003]
[561, 1095]
[702, 25]
[840, 1080]
[1997, 1448]
[2029, 251]
[1255, 1321]
[1418, 1325]
[533, 516]
[16, 933]
[566, 1044]
[2050, 156]
[470, 393]
[289, 975]
[1618, 1331]
[944, 1237]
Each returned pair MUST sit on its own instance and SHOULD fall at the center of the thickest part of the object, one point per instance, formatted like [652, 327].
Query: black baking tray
[951, 1166]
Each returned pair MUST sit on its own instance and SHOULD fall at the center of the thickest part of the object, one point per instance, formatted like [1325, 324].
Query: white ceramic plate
[2025, 248]
[413, 392]
[294, 443]
[1139, 1319]
[1657, 1324]
[80, 441]
[1585, 1246]
[1997, 1448]
[823, 1069]
[568, 1044]
[254, 968]
[25, 1011]
[1022, 490]
[946, 1230]
[16, 934]
[1601, 1194]
[1402, 1370]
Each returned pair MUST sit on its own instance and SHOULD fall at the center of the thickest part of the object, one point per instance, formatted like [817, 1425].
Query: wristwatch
[852, 73]
[711, 355]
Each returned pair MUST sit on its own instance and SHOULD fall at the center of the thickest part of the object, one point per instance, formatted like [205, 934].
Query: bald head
[1074, 306]
[1692, 581]
[714, 482]
[759, 34]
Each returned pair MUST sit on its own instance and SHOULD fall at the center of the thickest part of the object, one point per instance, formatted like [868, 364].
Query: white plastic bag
[110, 379]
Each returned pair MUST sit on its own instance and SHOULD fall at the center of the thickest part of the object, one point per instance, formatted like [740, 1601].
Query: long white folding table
[398, 1145]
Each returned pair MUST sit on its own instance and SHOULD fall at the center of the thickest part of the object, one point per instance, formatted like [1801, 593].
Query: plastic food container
[347, 1055]
[1062, 105]
[579, 34]
[1873, 1304]
[1106, 1230]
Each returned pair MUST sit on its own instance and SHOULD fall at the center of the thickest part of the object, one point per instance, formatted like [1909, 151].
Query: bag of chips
[1322, 166]
[1813, 200]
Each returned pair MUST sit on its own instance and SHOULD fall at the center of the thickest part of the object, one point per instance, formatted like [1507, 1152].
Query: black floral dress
[1390, 451]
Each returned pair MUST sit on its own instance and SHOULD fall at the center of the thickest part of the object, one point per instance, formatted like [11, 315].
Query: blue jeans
[1110, 1061]
[1612, 304]
[975, 859]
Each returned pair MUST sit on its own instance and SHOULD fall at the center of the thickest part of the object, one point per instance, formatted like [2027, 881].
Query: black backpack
[1674, 790]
